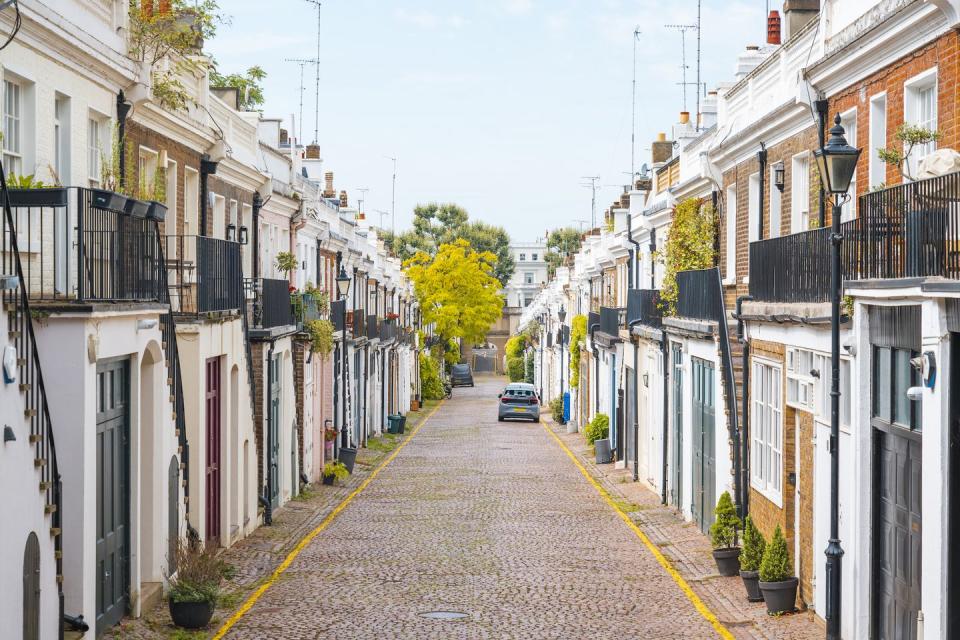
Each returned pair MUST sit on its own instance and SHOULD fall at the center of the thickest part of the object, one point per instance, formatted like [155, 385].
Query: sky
[501, 106]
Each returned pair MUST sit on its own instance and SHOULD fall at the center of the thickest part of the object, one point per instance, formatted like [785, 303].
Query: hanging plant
[321, 336]
[578, 333]
[689, 246]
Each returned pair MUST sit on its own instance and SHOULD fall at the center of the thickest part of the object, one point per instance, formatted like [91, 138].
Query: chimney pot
[313, 152]
[684, 117]
[661, 137]
[328, 191]
[773, 27]
[343, 199]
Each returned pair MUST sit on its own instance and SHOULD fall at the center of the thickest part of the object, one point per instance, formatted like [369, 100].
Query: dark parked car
[461, 375]
[519, 400]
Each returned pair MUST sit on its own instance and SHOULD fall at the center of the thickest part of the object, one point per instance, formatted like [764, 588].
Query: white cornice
[173, 127]
[784, 122]
[240, 174]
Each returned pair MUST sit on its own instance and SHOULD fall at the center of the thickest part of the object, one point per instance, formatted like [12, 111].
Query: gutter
[822, 107]
[596, 366]
[762, 161]
[666, 414]
[634, 272]
[268, 504]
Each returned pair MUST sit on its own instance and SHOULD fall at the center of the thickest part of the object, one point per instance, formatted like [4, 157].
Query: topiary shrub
[556, 409]
[598, 429]
[723, 531]
[515, 369]
[776, 565]
[753, 546]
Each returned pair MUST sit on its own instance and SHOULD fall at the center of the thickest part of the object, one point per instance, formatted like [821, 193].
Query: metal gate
[213, 442]
[113, 510]
[31, 588]
[704, 443]
[676, 489]
[273, 425]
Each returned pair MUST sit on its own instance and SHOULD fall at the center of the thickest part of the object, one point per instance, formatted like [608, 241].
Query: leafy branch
[910, 136]
[689, 246]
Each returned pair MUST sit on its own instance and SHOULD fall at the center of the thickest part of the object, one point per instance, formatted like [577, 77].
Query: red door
[213, 448]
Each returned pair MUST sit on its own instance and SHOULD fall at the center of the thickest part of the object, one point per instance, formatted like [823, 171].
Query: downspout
[664, 350]
[653, 259]
[123, 110]
[265, 500]
[742, 449]
[596, 368]
[714, 206]
[636, 415]
[634, 255]
[207, 168]
[822, 107]
[762, 161]
[255, 221]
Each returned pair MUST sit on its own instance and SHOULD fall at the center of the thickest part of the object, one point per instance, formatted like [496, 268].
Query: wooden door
[213, 441]
[704, 443]
[31, 588]
[676, 490]
[113, 508]
[273, 425]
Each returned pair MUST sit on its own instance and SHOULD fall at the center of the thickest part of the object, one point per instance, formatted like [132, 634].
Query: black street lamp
[542, 338]
[343, 286]
[836, 162]
[562, 315]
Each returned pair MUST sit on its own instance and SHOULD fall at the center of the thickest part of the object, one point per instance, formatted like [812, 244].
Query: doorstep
[690, 553]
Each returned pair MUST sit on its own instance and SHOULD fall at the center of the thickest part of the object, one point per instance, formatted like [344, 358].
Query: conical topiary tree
[776, 565]
[753, 546]
[723, 531]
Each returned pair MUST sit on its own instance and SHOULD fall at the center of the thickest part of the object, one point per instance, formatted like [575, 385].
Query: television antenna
[316, 112]
[633, 105]
[581, 224]
[683, 28]
[382, 213]
[362, 198]
[393, 196]
[593, 201]
[303, 62]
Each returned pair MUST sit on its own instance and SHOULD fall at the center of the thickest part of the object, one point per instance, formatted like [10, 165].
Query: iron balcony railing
[699, 295]
[610, 320]
[794, 268]
[389, 331]
[359, 327]
[272, 306]
[336, 314]
[643, 306]
[593, 318]
[203, 274]
[373, 327]
[76, 246]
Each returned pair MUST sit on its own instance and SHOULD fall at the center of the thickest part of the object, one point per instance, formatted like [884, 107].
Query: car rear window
[461, 368]
[519, 393]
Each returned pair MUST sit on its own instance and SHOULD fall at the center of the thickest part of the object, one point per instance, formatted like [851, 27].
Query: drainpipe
[762, 161]
[714, 206]
[653, 260]
[123, 110]
[741, 449]
[255, 221]
[822, 107]
[207, 168]
[636, 416]
[596, 368]
[265, 500]
[634, 255]
[665, 351]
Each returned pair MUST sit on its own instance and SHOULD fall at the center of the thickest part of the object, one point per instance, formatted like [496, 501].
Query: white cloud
[428, 20]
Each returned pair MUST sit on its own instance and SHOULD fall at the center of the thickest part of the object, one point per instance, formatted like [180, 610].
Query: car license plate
[520, 409]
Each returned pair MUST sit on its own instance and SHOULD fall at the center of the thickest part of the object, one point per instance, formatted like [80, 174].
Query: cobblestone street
[485, 518]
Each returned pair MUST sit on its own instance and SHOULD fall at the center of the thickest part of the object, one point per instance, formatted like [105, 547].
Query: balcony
[610, 320]
[272, 307]
[80, 245]
[794, 268]
[373, 327]
[643, 307]
[389, 331]
[699, 296]
[359, 323]
[336, 313]
[203, 275]
[593, 320]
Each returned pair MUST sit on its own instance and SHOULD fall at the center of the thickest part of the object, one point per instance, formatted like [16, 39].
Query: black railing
[699, 295]
[336, 314]
[643, 306]
[373, 327]
[272, 306]
[610, 320]
[74, 249]
[389, 331]
[203, 274]
[359, 326]
[593, 318]
[794, 268]
[16, 305]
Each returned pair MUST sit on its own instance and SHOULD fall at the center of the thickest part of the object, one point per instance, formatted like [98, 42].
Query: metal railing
[203, 274]
[336, 314]
[272, 306]
[359, 327]
[373, 327]
[74, 249]
[699, 295]
[610, 320]
[643, 306]
[16, 304]
[794, 268]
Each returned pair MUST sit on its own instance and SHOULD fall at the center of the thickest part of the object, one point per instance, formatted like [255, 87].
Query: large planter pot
[728, 561]
[56, 197]
[156, 211]
[602, 450]
[328, 480]
[348, 456]
[781, 597]
[191, 615]
[137, 208]
[104, 199]
[751, 582]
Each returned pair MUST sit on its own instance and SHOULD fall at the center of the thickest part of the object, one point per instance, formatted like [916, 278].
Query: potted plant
[156, 210]
[334, 471]
[750, 556]
[193, 591]
[777, 582]
[137, 208]
[27, 191]
[723, 536]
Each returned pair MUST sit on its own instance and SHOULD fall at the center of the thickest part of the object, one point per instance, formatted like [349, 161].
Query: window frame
[13, 156]
[766, 403]
[800, 198]
[877, 169]
[912, 87]
[848, 120]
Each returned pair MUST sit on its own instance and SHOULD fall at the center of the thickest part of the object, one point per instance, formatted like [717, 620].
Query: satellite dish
[644, 170]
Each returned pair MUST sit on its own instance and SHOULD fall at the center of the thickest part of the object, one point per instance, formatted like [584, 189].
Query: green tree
[910, 136]
[457, 291]
[561, 243]
[689, 246]
[248, 84]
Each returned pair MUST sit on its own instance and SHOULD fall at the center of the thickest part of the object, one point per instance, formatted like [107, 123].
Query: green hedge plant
[723, 531]
[776, 565]
[556, 409]
[598, 429]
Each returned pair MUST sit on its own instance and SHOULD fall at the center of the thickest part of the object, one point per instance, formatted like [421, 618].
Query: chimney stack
[284, 136]
[662, 149]
[773, 27]
[343, 199]
[313, 152]
[797, 13]
[328, 191]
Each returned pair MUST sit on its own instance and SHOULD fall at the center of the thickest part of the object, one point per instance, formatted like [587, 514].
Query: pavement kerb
[306, 540]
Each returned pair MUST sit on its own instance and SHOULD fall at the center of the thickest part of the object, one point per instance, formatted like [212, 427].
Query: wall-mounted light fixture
[244, 235]
[778, 176]
[232, 232]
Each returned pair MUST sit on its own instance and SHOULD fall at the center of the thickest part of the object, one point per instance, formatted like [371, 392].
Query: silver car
[519, 400]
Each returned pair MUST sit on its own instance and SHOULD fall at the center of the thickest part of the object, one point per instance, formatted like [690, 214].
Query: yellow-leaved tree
[457, 290]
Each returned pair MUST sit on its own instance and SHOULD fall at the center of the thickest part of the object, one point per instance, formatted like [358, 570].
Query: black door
[31, 588]
[273, 424]
[113, 513]
[676, 489]
[897, 495]
[704, 443]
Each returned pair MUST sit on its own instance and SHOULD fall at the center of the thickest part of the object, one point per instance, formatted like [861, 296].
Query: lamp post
[562, 315]
[543, 335]
[836, 162]
[343, 286]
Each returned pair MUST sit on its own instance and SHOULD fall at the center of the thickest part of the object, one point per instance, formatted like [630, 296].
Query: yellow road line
[252, 600]
[698, 604]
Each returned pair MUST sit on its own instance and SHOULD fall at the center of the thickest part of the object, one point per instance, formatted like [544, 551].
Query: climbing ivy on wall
[689, 246]
[578, 333]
